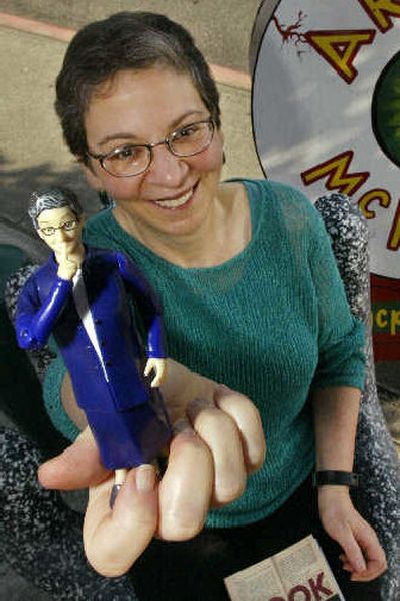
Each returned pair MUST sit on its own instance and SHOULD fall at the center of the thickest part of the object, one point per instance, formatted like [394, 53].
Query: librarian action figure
[81, 296]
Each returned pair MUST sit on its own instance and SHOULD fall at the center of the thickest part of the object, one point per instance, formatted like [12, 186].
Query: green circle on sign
[386, 110]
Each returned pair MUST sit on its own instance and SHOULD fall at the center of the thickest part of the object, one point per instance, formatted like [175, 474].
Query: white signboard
[326, 107]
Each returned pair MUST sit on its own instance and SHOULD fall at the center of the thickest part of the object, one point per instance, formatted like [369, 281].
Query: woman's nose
[165, 168]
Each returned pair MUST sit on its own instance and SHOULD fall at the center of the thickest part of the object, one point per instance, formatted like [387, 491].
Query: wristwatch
[322, 477]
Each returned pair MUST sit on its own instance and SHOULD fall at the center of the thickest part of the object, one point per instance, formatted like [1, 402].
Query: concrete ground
[33, 154]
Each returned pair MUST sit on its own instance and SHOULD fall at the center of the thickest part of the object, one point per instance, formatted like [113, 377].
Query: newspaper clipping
[299, 573]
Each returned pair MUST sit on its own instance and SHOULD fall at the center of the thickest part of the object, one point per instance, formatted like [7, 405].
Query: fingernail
[181, 425]
[145, 478]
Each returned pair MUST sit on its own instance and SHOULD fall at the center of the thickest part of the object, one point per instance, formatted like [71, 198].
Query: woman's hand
[363, 555]
[218, 442]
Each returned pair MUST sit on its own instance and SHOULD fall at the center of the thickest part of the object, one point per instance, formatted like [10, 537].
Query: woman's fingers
[354, 557]
[184, 386]
[79, 466]
[115, 539]
[362, 554]
[220, 433]
[229, 425]
[186, 488]
[248, 422]
[209, 460]
[374, 556]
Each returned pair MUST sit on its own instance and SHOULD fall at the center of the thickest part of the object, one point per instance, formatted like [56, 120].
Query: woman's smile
[179, 202]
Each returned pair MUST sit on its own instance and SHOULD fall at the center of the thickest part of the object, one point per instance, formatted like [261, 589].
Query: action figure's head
[57, 217]
[53, 198]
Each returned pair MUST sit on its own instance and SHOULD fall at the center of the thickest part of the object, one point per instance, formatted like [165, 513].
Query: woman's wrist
[330, 497]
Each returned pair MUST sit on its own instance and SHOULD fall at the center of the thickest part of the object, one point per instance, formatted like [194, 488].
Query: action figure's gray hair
[52, 198]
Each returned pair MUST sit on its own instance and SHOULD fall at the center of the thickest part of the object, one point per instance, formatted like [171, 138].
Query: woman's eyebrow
[191, 113]
[124, 135]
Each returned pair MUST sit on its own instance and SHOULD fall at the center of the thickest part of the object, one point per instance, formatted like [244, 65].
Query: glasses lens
[128, 160]
[192, 139]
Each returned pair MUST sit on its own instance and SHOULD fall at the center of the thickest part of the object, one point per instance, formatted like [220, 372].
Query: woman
[252, 299]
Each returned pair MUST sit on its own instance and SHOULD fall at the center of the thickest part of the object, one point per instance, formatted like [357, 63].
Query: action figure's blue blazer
[129, 427]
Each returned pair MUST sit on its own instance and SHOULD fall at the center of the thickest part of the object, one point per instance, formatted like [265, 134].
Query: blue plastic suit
[126, 416]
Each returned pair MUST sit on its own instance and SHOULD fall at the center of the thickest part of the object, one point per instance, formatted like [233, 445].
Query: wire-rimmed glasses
[133, 159]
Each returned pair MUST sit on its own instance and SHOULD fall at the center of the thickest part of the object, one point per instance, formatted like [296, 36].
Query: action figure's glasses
[67, 226]
[134, 159]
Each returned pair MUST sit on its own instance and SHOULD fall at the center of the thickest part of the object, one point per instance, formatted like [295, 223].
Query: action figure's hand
[218, 442]
[67, 267]
[160, 370]
[363, 555]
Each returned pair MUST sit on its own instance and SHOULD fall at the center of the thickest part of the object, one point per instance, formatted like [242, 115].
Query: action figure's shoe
[115, 490]
[41, 536]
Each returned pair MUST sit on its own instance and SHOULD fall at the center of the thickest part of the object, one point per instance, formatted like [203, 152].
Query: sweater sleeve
[341, 336]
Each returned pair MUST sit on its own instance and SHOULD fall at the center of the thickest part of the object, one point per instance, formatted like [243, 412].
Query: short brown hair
[125, 40]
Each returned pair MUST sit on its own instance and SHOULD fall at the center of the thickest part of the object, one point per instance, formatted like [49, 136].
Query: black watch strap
[322, 477]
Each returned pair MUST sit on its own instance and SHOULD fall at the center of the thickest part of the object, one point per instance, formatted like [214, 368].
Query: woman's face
[175, 194]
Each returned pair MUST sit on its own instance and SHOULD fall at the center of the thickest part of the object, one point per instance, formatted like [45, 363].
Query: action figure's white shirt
[83, 309]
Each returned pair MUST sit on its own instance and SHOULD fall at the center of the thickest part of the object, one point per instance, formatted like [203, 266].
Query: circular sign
[386, 110]
[326, 107]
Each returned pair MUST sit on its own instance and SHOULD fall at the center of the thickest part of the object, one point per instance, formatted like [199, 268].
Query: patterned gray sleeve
[376, 457]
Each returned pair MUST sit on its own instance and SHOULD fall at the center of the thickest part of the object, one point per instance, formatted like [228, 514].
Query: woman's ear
[221, 141]
[92, 179]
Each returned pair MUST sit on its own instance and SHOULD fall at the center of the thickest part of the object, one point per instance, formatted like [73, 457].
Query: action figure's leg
[119, 479]
[120, 476]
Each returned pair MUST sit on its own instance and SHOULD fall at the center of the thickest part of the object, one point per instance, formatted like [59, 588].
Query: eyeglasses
[134, 159]
[67, 226]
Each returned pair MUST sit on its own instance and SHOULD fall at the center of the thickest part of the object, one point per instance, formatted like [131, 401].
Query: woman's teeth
[172, 203]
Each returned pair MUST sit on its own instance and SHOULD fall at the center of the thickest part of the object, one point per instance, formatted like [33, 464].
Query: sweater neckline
[256, 217]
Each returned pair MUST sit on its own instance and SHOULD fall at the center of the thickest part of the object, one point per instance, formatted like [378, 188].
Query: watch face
[326, 107]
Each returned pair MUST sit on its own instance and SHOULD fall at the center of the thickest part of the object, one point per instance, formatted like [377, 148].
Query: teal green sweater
[272, 322]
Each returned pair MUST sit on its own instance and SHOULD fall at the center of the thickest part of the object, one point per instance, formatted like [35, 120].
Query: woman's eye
[128, 153]
[186, 132]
